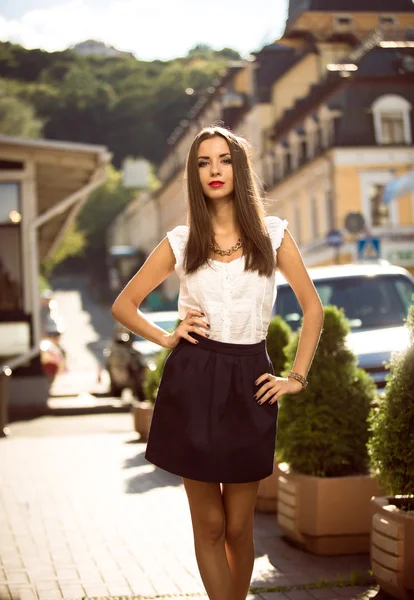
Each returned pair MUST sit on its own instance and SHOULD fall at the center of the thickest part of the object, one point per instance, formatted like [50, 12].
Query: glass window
[405, 292]
[9, 203]
[368, 302]
[167, 325]
[386, 20]
[380, 213]
[343, 21]
[391, 114]
[392, 128]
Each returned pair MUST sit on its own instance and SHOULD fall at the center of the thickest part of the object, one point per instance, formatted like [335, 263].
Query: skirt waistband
[227, 347]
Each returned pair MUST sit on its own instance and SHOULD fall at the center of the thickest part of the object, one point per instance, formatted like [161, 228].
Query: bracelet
[299, 377]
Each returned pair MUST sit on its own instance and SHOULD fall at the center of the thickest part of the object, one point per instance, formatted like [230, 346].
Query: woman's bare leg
[209, 526]
[239, 500]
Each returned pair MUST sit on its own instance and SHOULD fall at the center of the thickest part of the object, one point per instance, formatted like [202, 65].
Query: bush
[391, 446]
[278, 337]
[323, 430]
[153, 378]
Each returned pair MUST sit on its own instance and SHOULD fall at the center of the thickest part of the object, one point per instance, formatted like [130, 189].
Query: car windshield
[368, 302]
[167, 325]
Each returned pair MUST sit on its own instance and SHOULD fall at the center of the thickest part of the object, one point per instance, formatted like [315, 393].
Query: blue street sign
[334, 238]
[369, 248]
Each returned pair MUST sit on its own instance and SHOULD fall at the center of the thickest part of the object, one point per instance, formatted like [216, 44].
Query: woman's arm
[158, 266]
[290, 264]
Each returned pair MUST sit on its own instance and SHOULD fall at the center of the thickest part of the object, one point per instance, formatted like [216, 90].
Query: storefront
[43, 184]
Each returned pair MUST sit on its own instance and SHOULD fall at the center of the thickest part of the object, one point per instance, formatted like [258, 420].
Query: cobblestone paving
[83, 514]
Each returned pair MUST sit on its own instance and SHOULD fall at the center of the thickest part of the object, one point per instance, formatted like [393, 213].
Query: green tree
[323, 430]
[278, 337]
[16, 117]
[72, 244]
[99, 211]
[129, 105]
[392, 442]
[82, 108]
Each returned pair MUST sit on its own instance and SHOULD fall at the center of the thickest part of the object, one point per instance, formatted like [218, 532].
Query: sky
[148, 28]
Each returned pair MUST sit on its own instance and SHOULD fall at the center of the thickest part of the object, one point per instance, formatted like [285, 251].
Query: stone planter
[326, 515]
[142, 413]
[392, 547]
[266, 500]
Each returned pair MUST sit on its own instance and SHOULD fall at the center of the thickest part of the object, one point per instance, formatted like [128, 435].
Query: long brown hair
[250, 213]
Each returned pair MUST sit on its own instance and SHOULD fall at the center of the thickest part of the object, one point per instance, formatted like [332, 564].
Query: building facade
[43, 185]
[328, 110]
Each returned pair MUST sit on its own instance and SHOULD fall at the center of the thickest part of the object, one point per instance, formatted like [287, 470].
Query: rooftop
[298, 6]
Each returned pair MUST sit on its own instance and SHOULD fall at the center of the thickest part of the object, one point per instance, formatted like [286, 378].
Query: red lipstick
[216, 184]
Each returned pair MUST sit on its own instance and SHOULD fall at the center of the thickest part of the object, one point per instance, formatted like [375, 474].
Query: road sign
[334, 238]
[354, 222]
[369, 249]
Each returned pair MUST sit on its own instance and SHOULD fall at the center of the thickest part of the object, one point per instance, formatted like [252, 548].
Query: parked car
[51, 320]
[128, 356]
[375, 298]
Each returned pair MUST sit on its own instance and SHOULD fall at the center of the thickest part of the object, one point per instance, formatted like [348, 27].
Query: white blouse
[237, 303]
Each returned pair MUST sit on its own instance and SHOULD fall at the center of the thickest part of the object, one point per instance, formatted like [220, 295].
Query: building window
[9, 203]
[380, 214]
[312, 143]
[11, 296]
[387, 21]
[326, 132]
[287, 162]
[293, 150]
[392, 120]
[276, 168]
[343, 22]
[303, 153]
[392, 128]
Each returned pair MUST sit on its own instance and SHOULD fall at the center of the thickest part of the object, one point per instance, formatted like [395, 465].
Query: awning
[64, 174]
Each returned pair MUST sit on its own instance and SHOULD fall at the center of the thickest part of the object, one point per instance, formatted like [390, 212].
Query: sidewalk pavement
[83, 514]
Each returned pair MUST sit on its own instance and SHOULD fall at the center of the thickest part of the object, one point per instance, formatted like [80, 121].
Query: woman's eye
[202, 163]
[227, 161]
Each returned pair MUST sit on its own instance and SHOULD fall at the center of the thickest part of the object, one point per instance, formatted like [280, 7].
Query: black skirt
[206, 424]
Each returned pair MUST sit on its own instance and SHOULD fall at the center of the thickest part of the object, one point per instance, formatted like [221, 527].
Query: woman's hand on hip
[193, 322]
[273, 387]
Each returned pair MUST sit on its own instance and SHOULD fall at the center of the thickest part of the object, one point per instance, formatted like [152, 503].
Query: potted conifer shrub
[392, 454]
[278, 337]
[325, 489]
[143, 410]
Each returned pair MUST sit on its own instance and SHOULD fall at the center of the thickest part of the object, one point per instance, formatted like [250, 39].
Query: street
[83, 514]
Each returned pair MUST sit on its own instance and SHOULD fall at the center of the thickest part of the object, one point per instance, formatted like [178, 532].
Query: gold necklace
[229, 251]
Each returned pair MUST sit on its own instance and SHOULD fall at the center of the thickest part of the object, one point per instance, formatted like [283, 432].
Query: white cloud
[149, 29]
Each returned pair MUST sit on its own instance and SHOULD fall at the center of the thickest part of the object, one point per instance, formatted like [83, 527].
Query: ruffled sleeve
[276, 228]
[178, 239]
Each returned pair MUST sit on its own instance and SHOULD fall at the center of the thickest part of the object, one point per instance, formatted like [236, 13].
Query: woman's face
[215, 168]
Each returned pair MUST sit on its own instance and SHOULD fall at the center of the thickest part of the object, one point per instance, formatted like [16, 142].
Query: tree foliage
[17, 118]
[153, 378]
[129, 105]
[278, 337]
[101, 208]
[392, 443]
[72, 244]
[323, 430]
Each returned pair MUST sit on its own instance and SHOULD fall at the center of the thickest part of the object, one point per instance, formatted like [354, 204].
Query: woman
[215, 416]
